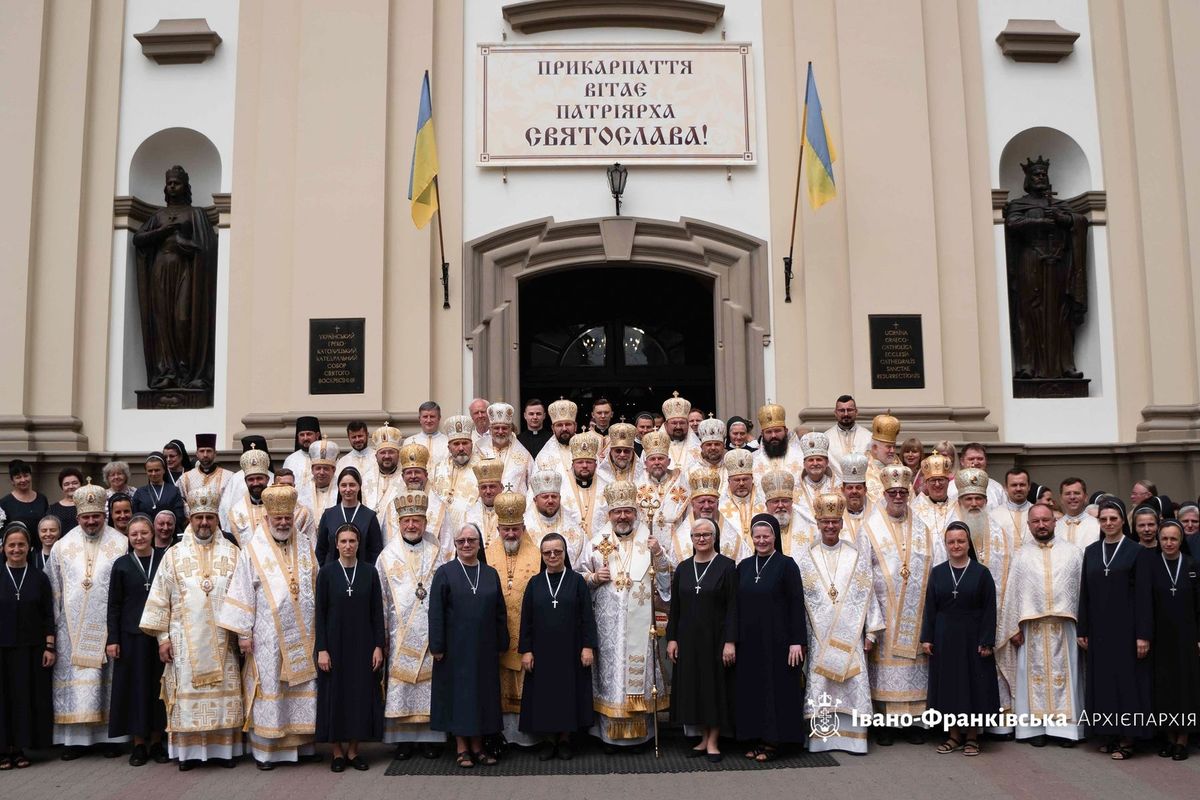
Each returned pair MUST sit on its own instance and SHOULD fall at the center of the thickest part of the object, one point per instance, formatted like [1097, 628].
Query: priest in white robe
[620, 463]
[711, 433]
[881, 452]
[934, 504]
[321, 492]
[431, 437]
[846, 437]
[1076, 525]
[414, 472]
[406, 567]
[361, 454]
[844, 621]
[247, 514]
[308, 431]
[501, 444]
[778, 492]
[385, 478]
[854, 490]
[79, 570]
[545, 515]
[740, 500]
[270, 606]
[556, 453]
[974, 456]
[1036, 647]
[453, 482]
[663, 494]
[1016, 501]
[626, 571]
[903, 552]
[482, 513]
[206, 473]
[705, 497]
[201, 682]
[816, 477]
[583, 491]
[685, 445]
[778, 451]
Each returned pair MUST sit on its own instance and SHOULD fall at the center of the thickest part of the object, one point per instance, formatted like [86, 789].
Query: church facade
[296, 121]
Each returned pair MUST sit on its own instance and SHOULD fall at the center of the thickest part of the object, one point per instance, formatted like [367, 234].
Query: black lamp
[617, 175]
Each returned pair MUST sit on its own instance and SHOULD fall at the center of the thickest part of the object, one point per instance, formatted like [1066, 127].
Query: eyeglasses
[552, 552]
[701, 535]
[464, 542]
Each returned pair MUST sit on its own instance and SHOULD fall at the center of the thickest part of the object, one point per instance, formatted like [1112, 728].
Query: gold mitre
[814, 443]
[709, 430]
[739, 462]
[90, 499]
[322, 451]
[562, 410]
[772, 415]
[971, 481]
[411, 503]
[937, 466]
[203, 500]
[895, 476]
[854, 468]
[621, 434]
[510, 507]
[585, 445]
[458, 427]
[778, 484]
[829, 505]
[414, 455]
[386, 438]
[676, 407]
[656, 443]
[885, 428]
[545, 481]
[620, 494]
[280, 500]
[705, 482]
[488, 470]
[500, 414]
[255, 462]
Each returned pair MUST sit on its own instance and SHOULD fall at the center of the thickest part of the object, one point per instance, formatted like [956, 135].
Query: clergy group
[481, 585]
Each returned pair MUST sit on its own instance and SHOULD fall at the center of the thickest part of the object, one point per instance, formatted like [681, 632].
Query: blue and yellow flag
[422, 176]
[820, 154]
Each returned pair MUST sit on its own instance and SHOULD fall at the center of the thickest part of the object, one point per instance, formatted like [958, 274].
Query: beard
[715, 459]
[678, 436]
[622, 528]
[977, 521]
[775, 448]
[511, 546]
[462, 459]
[784, 518]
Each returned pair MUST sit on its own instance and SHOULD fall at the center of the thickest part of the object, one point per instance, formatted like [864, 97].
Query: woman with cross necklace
[1175, 593]
[349, 626]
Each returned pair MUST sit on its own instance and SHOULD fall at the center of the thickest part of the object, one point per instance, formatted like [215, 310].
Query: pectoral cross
[1106, 572]
[554, 603]
[954, 594]
[1172, 593]
[146, 585]
[349, 591]
[697, 588]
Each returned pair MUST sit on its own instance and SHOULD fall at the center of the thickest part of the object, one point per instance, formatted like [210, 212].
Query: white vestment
[843, 443]
[79, 572]
[1079, 531]
[245, 517]
[739, 511]
[517, 461]
[995, 493]
[218, 480]
[362, 460]
[664, 504]
[235, 492]
[436, 443]
[202, 686]
[563, 523]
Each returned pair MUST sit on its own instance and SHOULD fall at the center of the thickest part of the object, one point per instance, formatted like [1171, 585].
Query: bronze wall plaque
[897, 353]
[336, 356]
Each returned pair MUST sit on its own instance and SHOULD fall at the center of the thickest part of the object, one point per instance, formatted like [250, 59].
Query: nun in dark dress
[350, 640]
[958, 634]
[771, 629]
[1175, 650]
[468, 630]
[1115, 625]
[558, 647]
[349, 509]
[135, 708]
[26, 652]
[701, 636]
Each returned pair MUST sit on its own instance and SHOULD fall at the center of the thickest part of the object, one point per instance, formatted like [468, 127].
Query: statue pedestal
[174, 398]
[1045, 388]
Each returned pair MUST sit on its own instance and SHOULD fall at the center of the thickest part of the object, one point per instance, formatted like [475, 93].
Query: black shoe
[884, 737]
[338, 764]
[432, 751]
[1181, 753]
[694, 753]
[311, 758]
[360, 763]
[548, 752]
[186, 766]
[715, 758]
[1038, 741]
[404, 751]
[610, 749]
[228, 763]
[139, 756]
[566, 753]
[265, 766]
[158, 753]
[72, 752]
[916, 736]
[1068, 743]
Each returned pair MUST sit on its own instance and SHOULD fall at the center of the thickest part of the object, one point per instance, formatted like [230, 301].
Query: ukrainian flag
[422, 176]
[819, 147]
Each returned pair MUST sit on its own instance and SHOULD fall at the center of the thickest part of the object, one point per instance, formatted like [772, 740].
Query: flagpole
[442, 246]
[787, 260]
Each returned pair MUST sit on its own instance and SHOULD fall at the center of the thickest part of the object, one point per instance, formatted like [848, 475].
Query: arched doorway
[612, 343]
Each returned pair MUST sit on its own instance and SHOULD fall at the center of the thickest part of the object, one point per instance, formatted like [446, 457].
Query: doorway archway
[733, 264]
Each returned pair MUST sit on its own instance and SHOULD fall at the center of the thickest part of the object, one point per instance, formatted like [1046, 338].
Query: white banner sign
[544, 105]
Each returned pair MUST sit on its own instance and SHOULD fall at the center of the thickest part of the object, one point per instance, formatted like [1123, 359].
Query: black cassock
[960, 680]
[26, 710]
[135, 708]
[350, 627]
[370, 536]
[557, 695]
[150, 500]
[471, 630]
[771, 618]
[1115, 610]
[701, 623]
[1176, 632]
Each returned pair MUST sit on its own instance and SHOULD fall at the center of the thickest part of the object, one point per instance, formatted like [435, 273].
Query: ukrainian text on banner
[545, 105]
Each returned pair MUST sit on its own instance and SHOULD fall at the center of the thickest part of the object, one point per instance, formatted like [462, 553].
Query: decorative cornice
[1037, 40]
[130, 213]
[179, 41]
[536, 16]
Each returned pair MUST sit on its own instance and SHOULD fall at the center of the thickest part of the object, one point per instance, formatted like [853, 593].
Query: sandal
[949, 746]
[766, 754]
[485, 759]
[1108, 747]
[6, 763]
[464, 760]
[753, 753]
[971, 748]
[20, 760]
[1122, 753]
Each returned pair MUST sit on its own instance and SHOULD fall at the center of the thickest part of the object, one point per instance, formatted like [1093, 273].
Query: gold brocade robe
[195, 478]
[515, 573]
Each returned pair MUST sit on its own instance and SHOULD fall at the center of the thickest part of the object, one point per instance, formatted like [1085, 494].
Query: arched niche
[1069, 169]
[191, 149]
